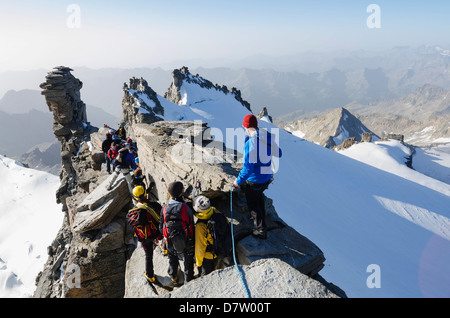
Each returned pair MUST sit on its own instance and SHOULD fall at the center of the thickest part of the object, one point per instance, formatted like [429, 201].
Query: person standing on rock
[106, 145]
[213, 241]
[177, 226]
[204, 240]
[257, 171]
[125, 162]
[144, 218]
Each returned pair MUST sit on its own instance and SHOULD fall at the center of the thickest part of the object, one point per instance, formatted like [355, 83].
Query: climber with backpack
[177, 226]
[106, 146]
[144, 219]
[124, 162]
[213, 241]
[257, 173]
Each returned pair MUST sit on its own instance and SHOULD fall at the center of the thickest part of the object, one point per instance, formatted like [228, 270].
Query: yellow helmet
[139, 192]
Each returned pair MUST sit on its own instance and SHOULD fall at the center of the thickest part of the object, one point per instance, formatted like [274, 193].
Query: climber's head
[175, 189]
[139, 193]
[202, 207]
[250, 121]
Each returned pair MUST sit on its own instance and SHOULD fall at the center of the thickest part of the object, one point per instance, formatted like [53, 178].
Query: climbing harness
[234, 251]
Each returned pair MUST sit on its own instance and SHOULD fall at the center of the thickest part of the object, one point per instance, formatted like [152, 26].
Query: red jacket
[113, 153]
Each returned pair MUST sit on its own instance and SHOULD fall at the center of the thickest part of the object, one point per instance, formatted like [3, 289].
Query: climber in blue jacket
[257, 171]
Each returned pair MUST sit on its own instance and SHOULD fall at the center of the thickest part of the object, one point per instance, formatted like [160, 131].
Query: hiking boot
[174, 282]
[150, 279]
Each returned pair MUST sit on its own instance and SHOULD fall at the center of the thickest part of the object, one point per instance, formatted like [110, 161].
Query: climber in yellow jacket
[204, 242]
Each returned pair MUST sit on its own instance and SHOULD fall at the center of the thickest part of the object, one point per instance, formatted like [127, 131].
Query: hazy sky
[43, 34]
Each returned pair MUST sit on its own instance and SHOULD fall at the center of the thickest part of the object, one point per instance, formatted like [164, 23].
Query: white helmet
[201, 203]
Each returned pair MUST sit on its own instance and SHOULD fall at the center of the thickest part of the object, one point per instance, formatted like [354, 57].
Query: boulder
[265, 278]
[101, 206]
[100, 257]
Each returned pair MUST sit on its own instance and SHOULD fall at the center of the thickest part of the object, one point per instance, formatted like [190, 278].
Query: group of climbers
[172, 228]
[208, 240]
[121, 153]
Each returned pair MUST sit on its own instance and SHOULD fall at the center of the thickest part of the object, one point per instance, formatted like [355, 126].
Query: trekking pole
[247, 291]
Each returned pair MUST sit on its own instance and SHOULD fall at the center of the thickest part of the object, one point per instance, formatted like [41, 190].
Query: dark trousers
[148, 245]
[255, 202]
[188, 261]
[207, 266]
[108, 163]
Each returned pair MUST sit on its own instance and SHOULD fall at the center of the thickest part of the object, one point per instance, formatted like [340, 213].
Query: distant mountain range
[298, 84]
[374, 86]
[422, 117]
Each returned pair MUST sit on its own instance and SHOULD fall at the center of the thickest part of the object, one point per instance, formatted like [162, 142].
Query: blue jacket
[258, 152]
[127, 162]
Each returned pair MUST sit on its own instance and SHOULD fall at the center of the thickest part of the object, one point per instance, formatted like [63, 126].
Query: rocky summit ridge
[94, 253]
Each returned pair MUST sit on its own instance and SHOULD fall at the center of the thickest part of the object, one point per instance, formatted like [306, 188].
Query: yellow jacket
[203, 238]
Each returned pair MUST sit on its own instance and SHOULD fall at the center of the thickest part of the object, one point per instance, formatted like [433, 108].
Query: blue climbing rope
[247, 291]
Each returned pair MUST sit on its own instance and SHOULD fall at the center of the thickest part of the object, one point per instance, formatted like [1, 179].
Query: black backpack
[122, 153]
[177, 226]
[220, 230]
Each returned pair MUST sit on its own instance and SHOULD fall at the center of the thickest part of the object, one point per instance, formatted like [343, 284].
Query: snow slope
[358, 214]
[29, 221]
[434, 162]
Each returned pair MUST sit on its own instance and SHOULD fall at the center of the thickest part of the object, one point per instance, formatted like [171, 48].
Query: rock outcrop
[265, 278]
[70, 126]
[144, 101]
[264, 115]
[94, 254]
[91, 242]
[183, 75]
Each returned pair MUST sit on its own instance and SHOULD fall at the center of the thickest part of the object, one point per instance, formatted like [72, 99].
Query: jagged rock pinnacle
[183, 74]
[138, 95]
